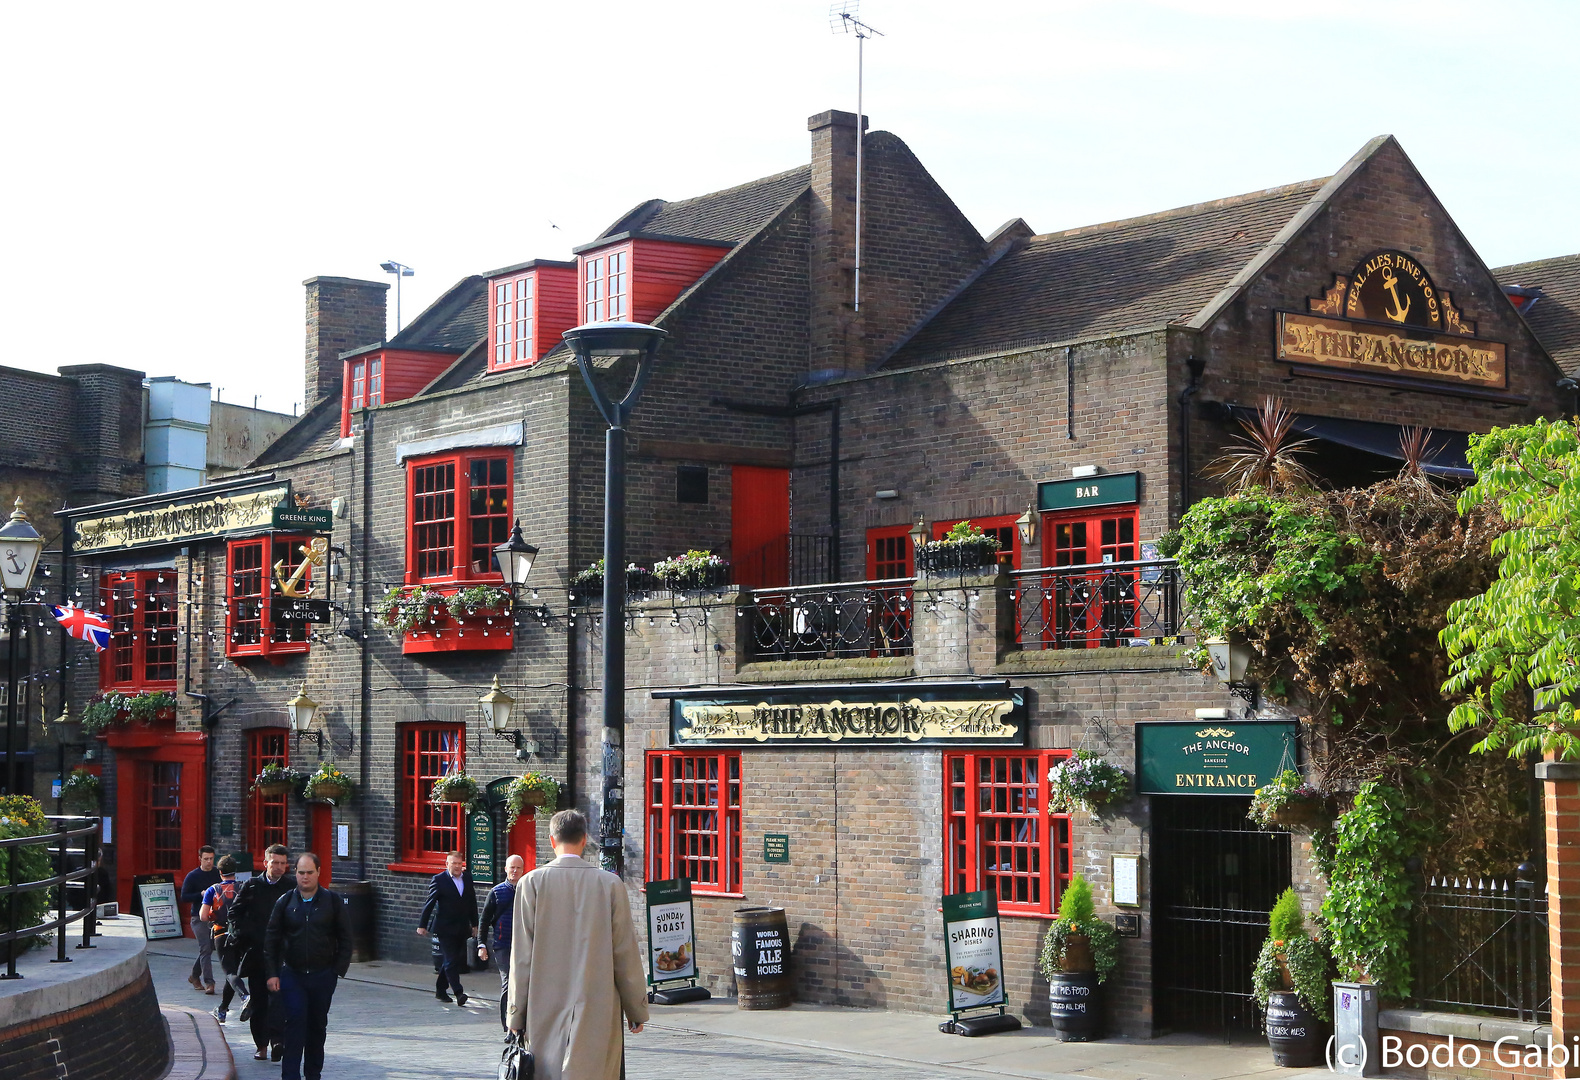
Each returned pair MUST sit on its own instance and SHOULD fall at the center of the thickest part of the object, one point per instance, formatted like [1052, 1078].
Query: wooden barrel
[1293, 1031]
[760, 952]
[1072, 1005]
[359, 912]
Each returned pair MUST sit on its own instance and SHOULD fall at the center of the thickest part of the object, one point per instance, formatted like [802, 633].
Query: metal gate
[1215, 878]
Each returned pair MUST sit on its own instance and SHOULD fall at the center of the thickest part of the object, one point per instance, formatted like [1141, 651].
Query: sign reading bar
[671, 940]
[191, 519]
[1212, 757]
[1115, 490]
[874, 715]
[299, 518]
[1388, 350]
[776, 847]
[973, 950]
[298, 609]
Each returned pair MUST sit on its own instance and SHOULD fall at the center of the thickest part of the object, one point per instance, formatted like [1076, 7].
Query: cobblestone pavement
[383, 1032]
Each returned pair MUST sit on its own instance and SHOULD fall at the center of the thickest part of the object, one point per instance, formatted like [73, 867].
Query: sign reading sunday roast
[671, 938]
[871, 714]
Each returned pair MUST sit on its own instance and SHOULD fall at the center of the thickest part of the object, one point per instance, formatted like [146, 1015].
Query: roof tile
[1555, 317]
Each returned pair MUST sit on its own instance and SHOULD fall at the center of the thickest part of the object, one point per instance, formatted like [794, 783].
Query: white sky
[174, 171]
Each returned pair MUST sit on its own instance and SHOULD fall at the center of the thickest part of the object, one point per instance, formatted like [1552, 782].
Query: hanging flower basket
[1288, 800]
[329, 783]
[276, 780]
[80, 792]
[456, 787]
[1085, 781]
[534, 789]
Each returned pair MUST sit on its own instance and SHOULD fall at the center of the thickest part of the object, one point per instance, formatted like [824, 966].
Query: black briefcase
[516, 1061]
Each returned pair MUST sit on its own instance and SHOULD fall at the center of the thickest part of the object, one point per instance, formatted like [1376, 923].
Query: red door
[1095, 607]
[157, 825]
[321, 838]
[760, 526]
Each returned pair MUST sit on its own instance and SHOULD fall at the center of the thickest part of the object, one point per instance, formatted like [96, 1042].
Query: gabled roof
[729, 216]
[1100, 279]
[316, 431]
[1555, 316]
[452, 323]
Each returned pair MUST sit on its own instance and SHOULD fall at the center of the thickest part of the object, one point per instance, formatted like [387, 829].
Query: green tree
[1523, 633]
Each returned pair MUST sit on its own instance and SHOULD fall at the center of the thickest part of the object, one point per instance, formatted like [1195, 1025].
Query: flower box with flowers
[1290, 801]
[448, 618]
[112, 708]
[964, 549]
[587, 585]
[692, 571]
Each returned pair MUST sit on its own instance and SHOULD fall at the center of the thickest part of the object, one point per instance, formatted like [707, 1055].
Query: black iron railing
[1482, 946]
[62, 855]
[1098, 604]
[853, 618]
[796, 559]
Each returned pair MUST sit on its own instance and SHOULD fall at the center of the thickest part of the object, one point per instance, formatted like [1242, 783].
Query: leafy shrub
[1287, 789]
[21, 815]
[1369, 896]
[1286, 920]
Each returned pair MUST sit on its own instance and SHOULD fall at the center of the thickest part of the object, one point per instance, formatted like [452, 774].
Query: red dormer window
[606, 287]
[513, 311]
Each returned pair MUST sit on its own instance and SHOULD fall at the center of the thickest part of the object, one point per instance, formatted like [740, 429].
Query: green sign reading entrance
[776, 847]
[1112, 490]
[480, 845]
[1212, 757]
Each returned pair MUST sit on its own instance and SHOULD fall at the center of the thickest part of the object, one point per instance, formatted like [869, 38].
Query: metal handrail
[56, 844]
[1099, 604]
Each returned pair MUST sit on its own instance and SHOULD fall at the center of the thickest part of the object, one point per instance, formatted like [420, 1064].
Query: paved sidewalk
[386, 1025]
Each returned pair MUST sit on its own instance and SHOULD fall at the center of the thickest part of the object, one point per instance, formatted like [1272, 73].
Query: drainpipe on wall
[365, 725]
[1196, 368]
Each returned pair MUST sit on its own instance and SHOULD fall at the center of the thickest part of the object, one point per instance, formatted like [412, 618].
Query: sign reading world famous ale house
[909, 714]
[1212, 757]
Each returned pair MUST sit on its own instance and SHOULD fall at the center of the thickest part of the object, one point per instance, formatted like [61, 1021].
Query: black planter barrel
[1293, 1031]
[760, 955]
[359, 910]
[1072, 1005]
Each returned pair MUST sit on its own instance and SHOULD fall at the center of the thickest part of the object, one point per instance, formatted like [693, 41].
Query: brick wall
[342, 314]
[119, 1037]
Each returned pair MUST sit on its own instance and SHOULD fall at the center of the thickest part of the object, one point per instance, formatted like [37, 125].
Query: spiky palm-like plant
[1267, 457]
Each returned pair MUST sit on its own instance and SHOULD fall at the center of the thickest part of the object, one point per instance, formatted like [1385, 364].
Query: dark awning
[1445, 449]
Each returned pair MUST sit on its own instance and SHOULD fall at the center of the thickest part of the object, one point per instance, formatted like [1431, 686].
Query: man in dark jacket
[452, 905]
[498, 921]
[192, 889]
[249, 921]
[306, 951]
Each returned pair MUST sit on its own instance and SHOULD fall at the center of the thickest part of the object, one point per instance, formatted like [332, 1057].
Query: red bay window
[250, 629]
[694, 819]
[141, 605]
[266, 814]
[999, 834]
[459, 511]
[606, 287]
[428, 831]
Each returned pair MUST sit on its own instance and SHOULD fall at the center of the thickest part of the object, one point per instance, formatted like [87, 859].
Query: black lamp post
[642, 341]
[20, 548]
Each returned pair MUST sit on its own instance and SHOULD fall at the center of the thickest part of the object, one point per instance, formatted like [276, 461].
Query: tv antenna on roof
[842, 19]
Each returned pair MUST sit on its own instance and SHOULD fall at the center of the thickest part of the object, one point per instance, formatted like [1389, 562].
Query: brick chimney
[342, 314]
[836, 331]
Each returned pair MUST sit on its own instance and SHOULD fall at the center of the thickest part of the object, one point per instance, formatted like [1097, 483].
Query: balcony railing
[796, 559]
[1098, 604]
[818, 622]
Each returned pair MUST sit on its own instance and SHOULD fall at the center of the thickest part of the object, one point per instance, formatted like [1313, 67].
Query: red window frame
[691, 832]
[1097, 607]
[429, 832]
[1003, 525]
[453, 521]
[513, 341]
[250, 584]
[890, 553]
[998, 833]
[606, 286]
[141, 607]
[268, 818]
[364, 389]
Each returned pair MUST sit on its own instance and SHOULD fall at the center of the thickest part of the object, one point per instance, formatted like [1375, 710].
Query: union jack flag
[84, 624]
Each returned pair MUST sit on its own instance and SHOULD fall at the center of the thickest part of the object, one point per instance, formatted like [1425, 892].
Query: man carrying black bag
[308, 951]
[249, 921]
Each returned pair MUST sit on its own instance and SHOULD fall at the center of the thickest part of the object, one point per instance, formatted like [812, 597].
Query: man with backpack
[217, 903]
[307, 951]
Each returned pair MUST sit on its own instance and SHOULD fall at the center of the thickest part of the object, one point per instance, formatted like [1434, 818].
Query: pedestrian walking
[249, 922]
[493, 929]
[574, 962]
[307, 951]
[217, 902]
[192, 889]
[452, 911]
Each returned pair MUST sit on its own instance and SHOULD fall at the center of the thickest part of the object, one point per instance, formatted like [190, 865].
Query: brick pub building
[1060, 390]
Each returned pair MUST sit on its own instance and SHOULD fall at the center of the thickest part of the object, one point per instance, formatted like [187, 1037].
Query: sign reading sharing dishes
[973, 951]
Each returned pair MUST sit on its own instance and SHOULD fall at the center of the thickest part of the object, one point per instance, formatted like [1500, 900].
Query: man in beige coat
[574, 962]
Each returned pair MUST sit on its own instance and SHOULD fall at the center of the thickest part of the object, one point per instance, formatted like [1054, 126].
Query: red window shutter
[998, 832]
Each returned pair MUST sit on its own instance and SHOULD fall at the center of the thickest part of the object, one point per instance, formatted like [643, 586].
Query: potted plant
[146, 708]
[455, 787]
[531, 789]
[1290, 981]
[478, 600]
[103, 710]
[1290, 801]
[328, 782]
[79, 792]
[693, 570]
[403, 610]
[1085, 781]
[1079, 952]
[965, 548]
[275, 779]
[587, 585]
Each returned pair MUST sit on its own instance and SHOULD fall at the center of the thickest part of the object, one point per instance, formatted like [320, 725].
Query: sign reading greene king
[1212, 757]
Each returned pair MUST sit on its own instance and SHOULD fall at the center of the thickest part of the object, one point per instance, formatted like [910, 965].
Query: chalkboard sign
[480, 845]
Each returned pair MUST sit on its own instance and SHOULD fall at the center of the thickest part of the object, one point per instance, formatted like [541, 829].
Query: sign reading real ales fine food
[1212, 757]
[973, 950]
[671, 941]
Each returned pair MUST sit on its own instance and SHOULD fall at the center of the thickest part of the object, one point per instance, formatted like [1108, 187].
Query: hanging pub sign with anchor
[672, 944]
[974, 962]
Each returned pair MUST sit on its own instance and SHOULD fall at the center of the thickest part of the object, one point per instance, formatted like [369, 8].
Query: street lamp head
[918, 534]
[390, 266]
[300, 710]
[20, 548]
[614, 338]
[1231, 656]
[1026, 526]
[515, 558]
[496, 707]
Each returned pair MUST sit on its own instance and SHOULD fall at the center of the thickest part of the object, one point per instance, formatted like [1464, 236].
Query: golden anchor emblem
[312, 555]
[1391, 283]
